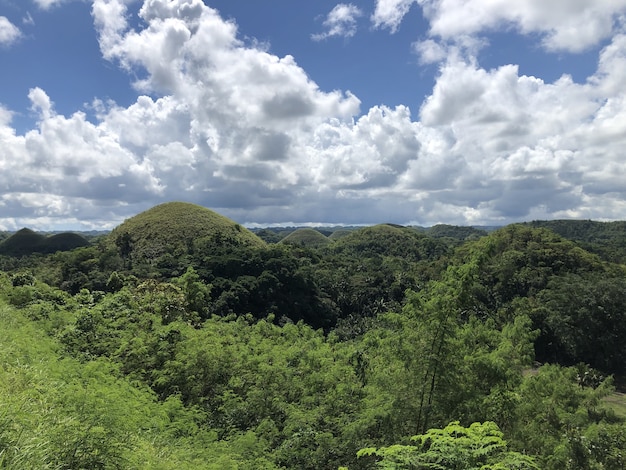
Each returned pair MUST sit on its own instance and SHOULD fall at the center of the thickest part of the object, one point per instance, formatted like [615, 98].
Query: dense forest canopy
[183, 340]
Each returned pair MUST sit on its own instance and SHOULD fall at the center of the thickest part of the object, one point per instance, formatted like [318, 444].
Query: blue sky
[279, 112]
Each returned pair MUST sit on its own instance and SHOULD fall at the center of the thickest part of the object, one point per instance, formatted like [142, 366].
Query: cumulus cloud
[541, 144]
[341, 21]
[228, 125]
[9, 33]
[429, 51]
[564, 25]
[390, 13]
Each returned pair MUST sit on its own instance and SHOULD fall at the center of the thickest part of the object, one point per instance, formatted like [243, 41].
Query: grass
[617, 402]
[175, 227]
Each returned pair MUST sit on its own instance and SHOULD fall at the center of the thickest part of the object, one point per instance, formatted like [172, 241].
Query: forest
[183, 340]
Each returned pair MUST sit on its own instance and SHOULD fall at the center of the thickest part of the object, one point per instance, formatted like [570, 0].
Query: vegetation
[181, 341]
[607, 239]
[306, 237]
[176, 229]
[455, 235]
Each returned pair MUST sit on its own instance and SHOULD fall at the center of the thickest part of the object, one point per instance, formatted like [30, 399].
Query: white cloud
[341, 21]
[565, 25]
[47, 4]
[40, 102]
[9, 33]
[429, 51]
[70, 158]
[530, 147]
[390, 13]
[5, 117]
[28, 19]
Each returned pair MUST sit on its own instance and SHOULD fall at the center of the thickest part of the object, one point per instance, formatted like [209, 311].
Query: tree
[197, 293]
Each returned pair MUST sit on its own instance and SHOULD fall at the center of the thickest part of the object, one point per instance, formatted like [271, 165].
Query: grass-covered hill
[178, 228]
[306, 237]
[26, 241]
[339, 233]
[389, 240]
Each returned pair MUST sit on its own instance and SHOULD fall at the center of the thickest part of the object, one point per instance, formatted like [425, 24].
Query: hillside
[339, 233]
[306, 237]
[454, 232]
[389, 240]
[177, 229]
[607, 239]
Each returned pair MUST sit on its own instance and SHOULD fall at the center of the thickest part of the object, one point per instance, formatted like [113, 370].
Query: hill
[389, 240]
[607, 239]
[177, 229]
[339, 233]
[454, 232]
[306, 237]
[63, 242]
[26, 241]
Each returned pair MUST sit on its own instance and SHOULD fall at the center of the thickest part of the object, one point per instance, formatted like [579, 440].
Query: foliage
[558, 412]
[263, 281]
[585, 320]
[63, 414]
[286, 384]
[439, 359]
[607, 239]
[165, 350]
[479, 446]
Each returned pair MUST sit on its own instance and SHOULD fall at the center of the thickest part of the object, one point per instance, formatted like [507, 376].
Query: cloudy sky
[286, 111]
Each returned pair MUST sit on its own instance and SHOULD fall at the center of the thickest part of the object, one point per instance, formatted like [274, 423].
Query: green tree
[197, 294]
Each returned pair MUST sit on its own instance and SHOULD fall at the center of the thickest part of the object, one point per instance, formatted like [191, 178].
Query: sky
[282, 112]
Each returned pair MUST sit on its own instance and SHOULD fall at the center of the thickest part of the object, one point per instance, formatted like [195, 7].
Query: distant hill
[460, 233]
[177, 228]
[26, 241]
[607, 239]
[340, 233]
[269, 235]
[389, 240]
[306, 237]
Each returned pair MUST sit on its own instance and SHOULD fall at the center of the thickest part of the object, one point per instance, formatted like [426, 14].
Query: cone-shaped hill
[64, 242]
[340, 233]
[389, 240]
[26, 241]
[306, 237]
[22, 242]
[175, 228]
